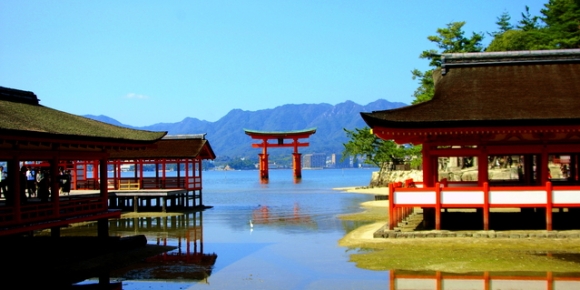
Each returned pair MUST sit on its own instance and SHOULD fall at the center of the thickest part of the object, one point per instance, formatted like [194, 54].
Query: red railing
[42, 212]
[484, 197]
[485, 280]
[400, 213]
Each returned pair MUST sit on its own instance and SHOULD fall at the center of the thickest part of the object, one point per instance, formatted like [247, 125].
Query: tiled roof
[171, 147]
[496, 89]
[280, 133]
[22, 115]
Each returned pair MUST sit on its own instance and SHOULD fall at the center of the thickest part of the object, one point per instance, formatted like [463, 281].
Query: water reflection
[188, 262]
[264, 215]
[413, 280]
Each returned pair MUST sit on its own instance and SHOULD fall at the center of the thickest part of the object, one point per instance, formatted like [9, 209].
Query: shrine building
[47, 140]
[175, 180]
[521, 108]
[107, 166]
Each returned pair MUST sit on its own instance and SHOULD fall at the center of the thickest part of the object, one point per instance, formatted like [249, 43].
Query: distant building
[314, 160]
[336, 162]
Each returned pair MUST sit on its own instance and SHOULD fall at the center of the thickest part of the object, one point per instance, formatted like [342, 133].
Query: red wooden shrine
[31, 134]
[173, 175]
[519, 108]
[279, 138]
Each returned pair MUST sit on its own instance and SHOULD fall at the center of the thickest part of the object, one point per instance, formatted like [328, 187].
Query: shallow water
[291, 242]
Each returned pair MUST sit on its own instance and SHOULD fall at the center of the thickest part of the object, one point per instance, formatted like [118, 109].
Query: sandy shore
[365, 190]
[364, 234]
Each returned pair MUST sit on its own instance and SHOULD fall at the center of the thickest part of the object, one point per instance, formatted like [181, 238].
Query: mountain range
[228, 139]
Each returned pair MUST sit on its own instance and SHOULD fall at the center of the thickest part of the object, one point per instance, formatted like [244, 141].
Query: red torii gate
[280, 137]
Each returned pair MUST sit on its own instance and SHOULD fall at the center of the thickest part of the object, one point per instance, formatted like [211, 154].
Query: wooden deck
[149, 198]
[84, 205]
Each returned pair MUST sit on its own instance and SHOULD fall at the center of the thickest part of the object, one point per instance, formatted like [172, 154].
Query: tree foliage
[557, 28]
[426, 89]
[562, 19]
[449, 39]
[376, 151]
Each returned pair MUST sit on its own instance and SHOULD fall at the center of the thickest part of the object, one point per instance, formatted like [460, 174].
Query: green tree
[376, 151]
[529, 34]
[528, 21]
[503, 24]
[558, 28]
[562, 19]
[426, 89]
[449, 39]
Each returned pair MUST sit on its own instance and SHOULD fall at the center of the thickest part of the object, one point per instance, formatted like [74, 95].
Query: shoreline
[365, 234]
[364, 190]
[454, 253]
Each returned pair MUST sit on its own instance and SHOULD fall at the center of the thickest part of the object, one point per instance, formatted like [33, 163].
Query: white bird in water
[251, 224]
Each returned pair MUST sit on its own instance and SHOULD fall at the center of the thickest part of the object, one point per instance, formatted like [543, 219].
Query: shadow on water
[189, 262]
[567, 257]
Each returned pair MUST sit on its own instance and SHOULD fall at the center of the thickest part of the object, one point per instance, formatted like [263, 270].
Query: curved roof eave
[280, 133]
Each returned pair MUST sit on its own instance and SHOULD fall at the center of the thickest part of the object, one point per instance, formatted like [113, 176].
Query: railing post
[437, 206]
[485, 206]
[549, 281]
[391, 206]
[548, 205]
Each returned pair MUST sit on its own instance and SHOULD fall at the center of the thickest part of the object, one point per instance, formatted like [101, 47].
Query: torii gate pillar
[263, 165]
[297, 165]
[280, 137]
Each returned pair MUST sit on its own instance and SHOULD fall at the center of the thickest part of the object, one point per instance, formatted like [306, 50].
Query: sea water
[280, 234]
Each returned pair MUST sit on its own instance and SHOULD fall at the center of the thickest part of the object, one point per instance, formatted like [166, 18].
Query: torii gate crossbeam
[280, 137]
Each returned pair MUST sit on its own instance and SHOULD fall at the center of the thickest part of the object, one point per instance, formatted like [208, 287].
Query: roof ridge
[19, 96]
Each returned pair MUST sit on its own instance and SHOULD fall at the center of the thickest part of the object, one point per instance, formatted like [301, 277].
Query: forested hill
[227, 136]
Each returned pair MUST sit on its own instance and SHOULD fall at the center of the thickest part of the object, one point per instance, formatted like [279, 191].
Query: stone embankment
[408, 230]
[395, 176]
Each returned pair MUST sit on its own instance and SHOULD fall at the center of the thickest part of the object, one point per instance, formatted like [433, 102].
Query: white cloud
[136, 96]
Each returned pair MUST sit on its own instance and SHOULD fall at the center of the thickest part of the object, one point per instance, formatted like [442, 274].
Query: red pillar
[54, 186]
[391, 206]
[486, 205]
[428, 179]
[549, 206]
[482, 167]
[437, 206]
[104, 188]
[263, 165]
[297, 165]
[264, 159]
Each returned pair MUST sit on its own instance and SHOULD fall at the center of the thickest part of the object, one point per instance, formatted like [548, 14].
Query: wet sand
[456, 254]
[364, 234]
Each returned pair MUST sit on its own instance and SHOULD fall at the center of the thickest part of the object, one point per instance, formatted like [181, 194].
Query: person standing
[30, 182]
[43, 185]
[3, 183]
[65, 182]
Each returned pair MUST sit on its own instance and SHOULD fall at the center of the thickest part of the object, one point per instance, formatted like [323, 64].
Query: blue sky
[146, 62]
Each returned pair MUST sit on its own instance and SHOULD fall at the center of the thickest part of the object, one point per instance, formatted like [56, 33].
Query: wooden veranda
[48, 139]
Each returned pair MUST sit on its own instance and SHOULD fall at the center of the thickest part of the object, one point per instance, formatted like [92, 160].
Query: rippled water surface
[282, 235]
[277, 235]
